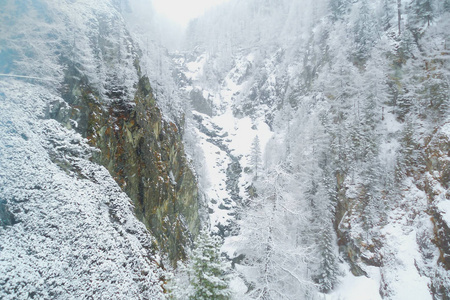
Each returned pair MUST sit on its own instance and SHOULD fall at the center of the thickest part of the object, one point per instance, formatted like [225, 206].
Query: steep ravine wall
[433, 179]
[142, 151]
[437, 179]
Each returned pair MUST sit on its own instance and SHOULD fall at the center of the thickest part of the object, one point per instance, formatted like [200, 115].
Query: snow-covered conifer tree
[326, 270]
[446, 5]
[338, 8]
[422, 12]
[255, 158]
[205, 275]
[364, 32]
[207, 271]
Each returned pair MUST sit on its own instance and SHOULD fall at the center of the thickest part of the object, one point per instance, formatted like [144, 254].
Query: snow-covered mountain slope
[226, 146]
[68, 230]
[94, 180]
[224, 143]
[319, 132]
[223, 147]
[353, 192]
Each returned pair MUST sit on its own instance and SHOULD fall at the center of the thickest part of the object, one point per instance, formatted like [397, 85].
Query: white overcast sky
[182, 11]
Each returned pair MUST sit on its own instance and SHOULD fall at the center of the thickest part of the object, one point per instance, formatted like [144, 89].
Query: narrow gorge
[270, 149]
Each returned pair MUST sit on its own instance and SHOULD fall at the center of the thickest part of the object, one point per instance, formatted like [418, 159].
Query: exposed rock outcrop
[143, 152]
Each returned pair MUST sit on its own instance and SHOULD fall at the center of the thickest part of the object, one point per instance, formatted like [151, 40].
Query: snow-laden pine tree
[364, 32]
[255, 157]
[446, 5]
[207, 271]
[421, 12]
[205, 276]
[326, 270]
[338, 8]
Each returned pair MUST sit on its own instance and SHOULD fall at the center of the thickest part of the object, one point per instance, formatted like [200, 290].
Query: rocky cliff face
[84, 150]
[436, 187]
[67, 230]
[143, 152]
[145, 155]
[106, 99]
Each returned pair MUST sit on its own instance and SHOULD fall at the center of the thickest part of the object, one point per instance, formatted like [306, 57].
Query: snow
[74, 233]
[230, 244]
[400, 276]
[232, 138]
[242, 131]
[388, 153]
[238, 287]
[357, 288]
[445, 129]
[404, 279]
[400, 271]
[216, 162]
[53, 34]
[195, 68]
[238, 136]
[444, 207]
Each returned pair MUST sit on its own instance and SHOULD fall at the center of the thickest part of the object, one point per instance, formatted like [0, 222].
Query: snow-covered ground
[71, 232]
[226, 144]
[232, 141]
[224, 139]
[357, 288]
